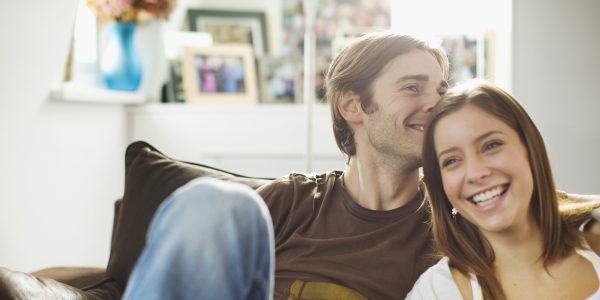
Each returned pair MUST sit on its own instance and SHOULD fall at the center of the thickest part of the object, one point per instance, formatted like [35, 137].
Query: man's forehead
[419, 64]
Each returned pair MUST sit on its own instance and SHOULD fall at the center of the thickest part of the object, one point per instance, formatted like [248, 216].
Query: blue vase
[120, 64]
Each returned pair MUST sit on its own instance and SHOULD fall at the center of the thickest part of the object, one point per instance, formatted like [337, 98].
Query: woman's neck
[519, 249]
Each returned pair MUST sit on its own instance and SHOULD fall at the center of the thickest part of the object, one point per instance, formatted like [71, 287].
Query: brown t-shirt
[329, 247]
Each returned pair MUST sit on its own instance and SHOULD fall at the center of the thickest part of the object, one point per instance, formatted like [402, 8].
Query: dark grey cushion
[150, 177]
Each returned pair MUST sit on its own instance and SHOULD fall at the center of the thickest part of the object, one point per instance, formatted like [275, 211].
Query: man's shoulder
[298, 178]
[296, 182]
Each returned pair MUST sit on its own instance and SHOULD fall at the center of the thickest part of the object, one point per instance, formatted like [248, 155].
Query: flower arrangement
[131, 10]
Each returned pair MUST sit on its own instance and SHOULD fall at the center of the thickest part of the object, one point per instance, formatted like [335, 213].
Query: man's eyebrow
[418, 77]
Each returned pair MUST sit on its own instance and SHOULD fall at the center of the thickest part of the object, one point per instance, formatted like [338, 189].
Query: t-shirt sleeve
[279, 197]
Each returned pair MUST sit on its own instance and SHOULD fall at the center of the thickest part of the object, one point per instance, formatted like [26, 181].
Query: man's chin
[410, 162]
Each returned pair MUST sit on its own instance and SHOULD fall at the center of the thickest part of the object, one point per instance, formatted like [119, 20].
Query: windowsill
[70, 92]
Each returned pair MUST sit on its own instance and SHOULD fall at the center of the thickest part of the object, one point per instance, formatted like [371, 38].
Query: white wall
[61, 164]
[556, 76]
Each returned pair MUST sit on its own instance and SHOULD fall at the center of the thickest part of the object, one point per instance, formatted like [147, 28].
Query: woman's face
[485, 169]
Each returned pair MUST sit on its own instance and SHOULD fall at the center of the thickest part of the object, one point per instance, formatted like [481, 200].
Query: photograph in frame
[280, 79]
[220, 74]
[227, 26]
[468, 55]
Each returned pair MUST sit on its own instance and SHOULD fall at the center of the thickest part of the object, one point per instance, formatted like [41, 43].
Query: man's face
[403, 95]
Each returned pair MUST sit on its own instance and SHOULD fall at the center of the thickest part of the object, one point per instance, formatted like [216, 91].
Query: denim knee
[206, 204]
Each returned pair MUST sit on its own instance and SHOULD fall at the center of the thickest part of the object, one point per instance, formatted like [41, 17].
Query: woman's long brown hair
[468, 250]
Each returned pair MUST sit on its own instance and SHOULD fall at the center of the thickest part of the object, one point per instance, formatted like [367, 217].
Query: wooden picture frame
[220, 74]
[229, 26]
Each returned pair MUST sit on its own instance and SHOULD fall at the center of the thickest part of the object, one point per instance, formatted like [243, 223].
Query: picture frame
[280, 79]
[174, 43]
[230, 26]
[220, 74]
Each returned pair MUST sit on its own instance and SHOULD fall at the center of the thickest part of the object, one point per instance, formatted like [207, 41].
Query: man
[357, 234]
[362, 233]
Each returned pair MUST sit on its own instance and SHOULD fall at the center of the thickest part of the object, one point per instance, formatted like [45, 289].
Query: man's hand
[592, 229]
[592, 232]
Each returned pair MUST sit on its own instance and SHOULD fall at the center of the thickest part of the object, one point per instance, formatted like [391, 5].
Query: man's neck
[379, 187]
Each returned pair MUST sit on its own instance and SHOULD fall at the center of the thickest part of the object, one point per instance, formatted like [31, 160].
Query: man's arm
[575, 198]
[592, 230]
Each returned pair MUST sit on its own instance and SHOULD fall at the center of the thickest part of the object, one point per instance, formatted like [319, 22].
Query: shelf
[187, 108]
[70, 92]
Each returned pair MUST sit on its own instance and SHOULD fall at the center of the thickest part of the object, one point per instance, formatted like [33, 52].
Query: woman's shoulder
[436, 283]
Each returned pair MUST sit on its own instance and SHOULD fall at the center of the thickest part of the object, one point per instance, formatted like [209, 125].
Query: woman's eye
[448, 162]
[492, 145]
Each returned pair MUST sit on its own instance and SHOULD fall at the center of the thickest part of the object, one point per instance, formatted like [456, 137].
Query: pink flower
[131, 10]
[157, 8]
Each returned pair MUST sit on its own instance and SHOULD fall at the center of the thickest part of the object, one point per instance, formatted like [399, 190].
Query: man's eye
[412, 88]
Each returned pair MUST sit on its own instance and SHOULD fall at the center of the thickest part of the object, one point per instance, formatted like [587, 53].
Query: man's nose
[431, 99]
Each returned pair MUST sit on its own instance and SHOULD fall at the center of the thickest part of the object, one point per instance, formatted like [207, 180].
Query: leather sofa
[150, 176]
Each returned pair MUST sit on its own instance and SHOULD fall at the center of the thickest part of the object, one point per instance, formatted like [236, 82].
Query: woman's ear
[349, 107]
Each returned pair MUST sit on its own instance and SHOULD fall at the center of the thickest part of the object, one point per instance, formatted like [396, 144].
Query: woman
[495, 210]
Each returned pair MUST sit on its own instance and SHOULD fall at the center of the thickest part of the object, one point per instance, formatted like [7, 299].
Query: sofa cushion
[150, 177]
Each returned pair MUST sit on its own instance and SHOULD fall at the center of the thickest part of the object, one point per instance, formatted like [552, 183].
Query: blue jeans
[210, 239]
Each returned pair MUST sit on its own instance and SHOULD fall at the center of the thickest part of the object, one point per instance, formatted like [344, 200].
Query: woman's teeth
[486, 197]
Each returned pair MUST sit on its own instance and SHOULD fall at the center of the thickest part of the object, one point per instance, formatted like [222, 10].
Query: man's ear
[349, 107]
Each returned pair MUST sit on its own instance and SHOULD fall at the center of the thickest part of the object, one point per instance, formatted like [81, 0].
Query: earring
[454, 212]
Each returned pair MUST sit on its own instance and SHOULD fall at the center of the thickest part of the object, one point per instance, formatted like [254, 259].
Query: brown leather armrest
[16, 285]
[78, 277]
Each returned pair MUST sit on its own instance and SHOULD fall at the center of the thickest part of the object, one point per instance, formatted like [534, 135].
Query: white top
[437, 281]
